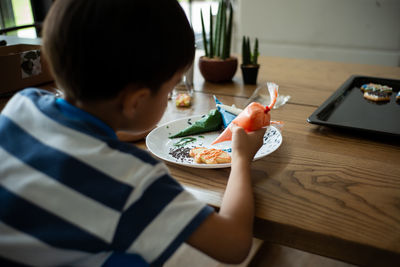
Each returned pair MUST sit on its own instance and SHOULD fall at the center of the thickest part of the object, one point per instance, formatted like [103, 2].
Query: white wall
[361, 31]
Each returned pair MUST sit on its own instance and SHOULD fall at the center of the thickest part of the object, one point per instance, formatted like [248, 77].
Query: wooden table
[325, 191]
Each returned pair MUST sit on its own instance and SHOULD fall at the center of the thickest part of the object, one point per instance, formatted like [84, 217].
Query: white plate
[159, 143]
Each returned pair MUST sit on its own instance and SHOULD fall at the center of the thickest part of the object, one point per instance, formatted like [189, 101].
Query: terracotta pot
[218, 70]
[250, 73]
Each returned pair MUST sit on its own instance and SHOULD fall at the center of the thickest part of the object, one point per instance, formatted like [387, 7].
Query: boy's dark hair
[97, 47]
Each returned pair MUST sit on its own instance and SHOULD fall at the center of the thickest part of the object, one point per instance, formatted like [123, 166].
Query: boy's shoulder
[34, 93]
[39, 113]
[29, 97]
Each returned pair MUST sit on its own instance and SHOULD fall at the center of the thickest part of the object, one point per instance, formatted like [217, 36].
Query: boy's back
[72, 194]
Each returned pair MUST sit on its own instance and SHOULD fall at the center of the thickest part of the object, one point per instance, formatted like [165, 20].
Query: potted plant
[249, 64]
[218, 65]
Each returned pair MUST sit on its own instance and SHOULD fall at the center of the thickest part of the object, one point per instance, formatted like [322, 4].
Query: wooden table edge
[323, 245]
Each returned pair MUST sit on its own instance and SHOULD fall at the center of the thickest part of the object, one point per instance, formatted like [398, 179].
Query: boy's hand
[227, 236]
[245, 145]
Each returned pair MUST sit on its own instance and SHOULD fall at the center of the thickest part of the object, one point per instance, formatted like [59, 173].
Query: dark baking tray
[347, 108]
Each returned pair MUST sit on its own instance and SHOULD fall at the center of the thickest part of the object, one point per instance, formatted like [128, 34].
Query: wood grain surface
[331, 192]
[319, 180]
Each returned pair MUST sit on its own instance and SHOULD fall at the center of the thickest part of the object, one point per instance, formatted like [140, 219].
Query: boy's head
[95, 48]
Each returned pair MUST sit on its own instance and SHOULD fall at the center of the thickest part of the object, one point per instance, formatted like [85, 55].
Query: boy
[71, 193]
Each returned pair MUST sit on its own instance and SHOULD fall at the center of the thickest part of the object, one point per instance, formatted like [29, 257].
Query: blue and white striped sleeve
[155, 225]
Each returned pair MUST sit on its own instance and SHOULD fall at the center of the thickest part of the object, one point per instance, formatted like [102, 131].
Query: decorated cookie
[377, 96]
[373, 87]
[209, 155]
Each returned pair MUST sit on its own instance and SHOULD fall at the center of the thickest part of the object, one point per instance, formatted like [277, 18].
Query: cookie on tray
[377, 96]
[372, 87]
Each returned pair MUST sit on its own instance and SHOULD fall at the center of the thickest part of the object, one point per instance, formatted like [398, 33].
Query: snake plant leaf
[218, 30]
[204, 33]
[211, 42]
[223, 33]
[229, 33]
[255, 53]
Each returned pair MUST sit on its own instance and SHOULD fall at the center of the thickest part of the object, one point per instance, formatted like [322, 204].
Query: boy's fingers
[260, 131]
[234, 127]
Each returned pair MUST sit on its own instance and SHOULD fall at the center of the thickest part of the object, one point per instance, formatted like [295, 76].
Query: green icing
[184, 141]
[211, 122]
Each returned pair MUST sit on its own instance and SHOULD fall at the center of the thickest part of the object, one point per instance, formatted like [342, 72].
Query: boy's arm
[227, 235]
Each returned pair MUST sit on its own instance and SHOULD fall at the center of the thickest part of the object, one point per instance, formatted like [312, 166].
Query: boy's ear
[132, 99]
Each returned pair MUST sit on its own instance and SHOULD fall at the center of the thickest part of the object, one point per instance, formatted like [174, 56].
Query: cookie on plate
[210, 155]
[377, 96]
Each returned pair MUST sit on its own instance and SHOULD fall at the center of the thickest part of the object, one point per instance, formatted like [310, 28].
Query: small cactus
[249, 58]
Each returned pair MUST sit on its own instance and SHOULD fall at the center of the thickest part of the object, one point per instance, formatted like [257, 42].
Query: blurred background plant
[249, 58]
[218, 43]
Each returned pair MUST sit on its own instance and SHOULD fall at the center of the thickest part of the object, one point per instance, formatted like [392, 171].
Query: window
[192, 9]
[17, 13]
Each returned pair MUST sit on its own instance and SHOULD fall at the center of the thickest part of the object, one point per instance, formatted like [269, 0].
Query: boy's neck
[105, 110]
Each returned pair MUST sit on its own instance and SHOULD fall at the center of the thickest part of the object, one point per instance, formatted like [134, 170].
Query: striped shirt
[71, 194]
